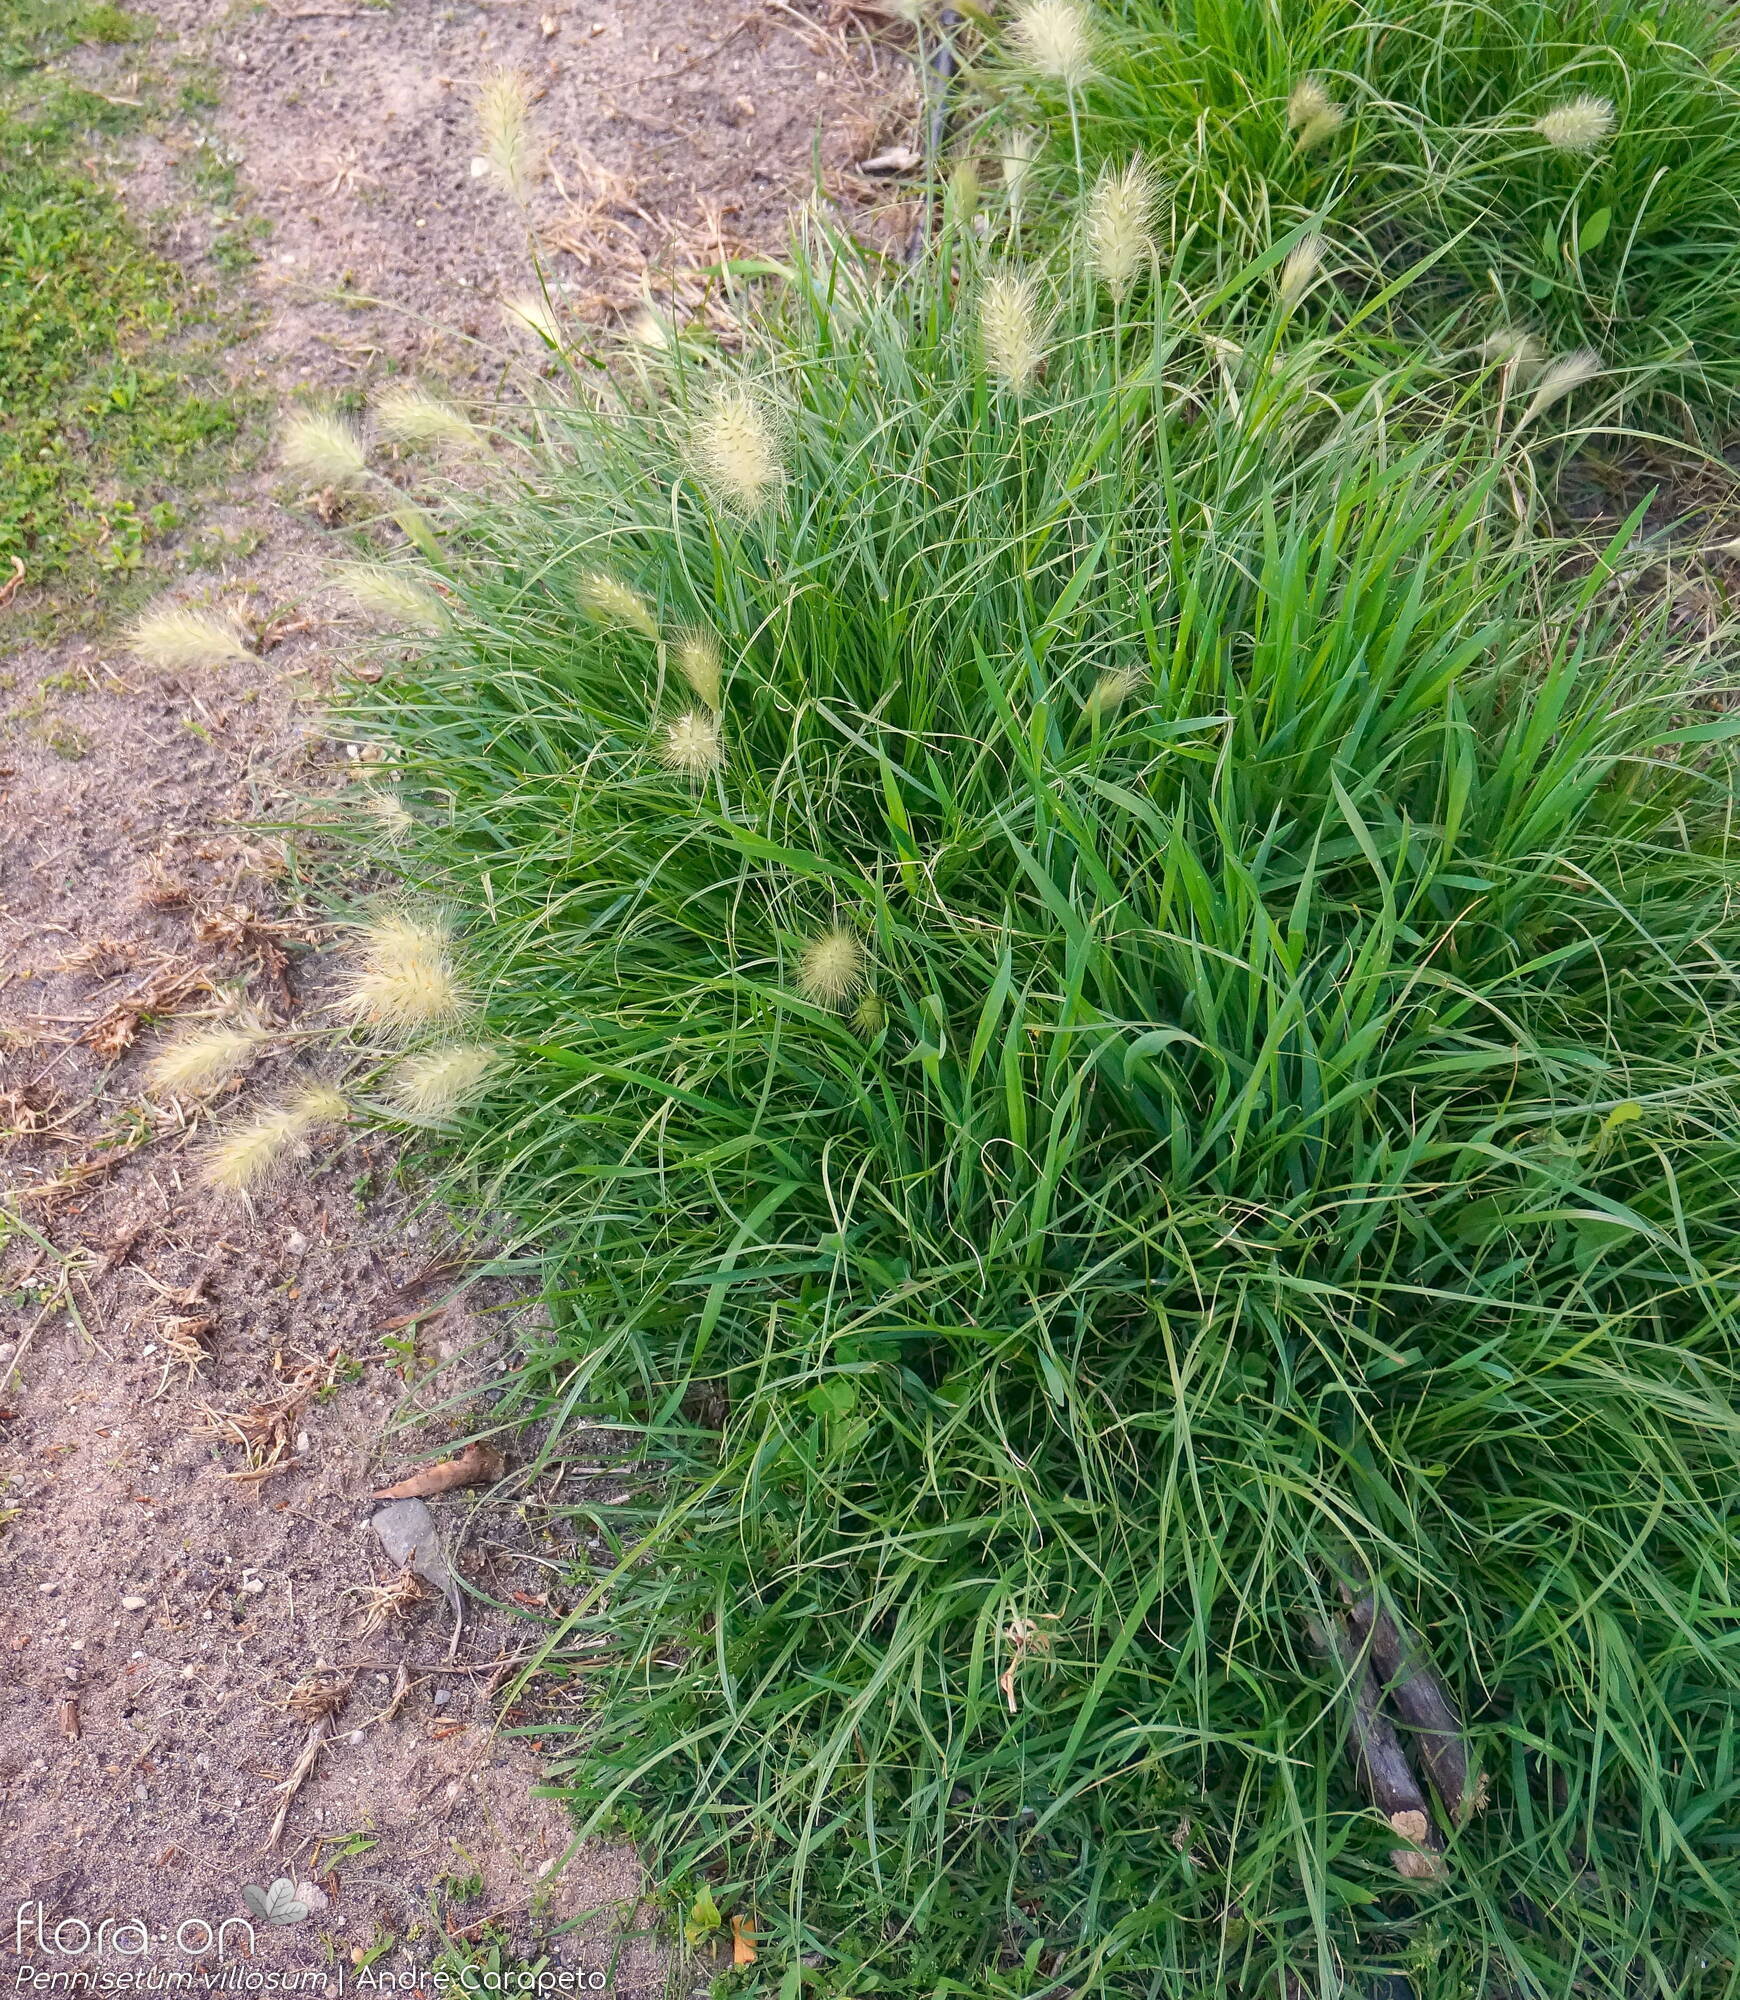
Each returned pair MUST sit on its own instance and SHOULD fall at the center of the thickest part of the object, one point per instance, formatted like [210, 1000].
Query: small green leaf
[703, 1918]
[836, 1397]
[1594, 232]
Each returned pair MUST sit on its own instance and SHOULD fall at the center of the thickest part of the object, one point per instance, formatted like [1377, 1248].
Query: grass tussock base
[1116, 1010]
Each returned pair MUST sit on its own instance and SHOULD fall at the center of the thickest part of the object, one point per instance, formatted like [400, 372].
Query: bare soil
[161, 1603]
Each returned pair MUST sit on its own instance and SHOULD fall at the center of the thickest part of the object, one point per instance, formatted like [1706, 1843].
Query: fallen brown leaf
[478, 1464]
[742, 1943]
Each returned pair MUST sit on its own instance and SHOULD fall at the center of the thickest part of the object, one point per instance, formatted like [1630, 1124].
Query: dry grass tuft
[388, 1603]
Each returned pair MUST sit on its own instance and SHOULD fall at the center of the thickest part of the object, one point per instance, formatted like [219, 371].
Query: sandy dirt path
[164, 1623]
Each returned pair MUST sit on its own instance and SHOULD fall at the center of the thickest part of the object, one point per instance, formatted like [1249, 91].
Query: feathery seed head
[504, 117]
[441, 1082]
[697, 652]
[247, 1155]
[832, 967]
[1119, 225]
[405, 414]
[1114, 688]
[965, 191]
[1055, 39]
[1011, 327]
[1299, 272]
[870, 1016]
[1021, 147]
[1577, 126]
[175, 636]
[647, 330]
[609, 600]
[390, 596]
[1560, 377]
[195, 1063]
[693, 744]
[530, 314]
[1309, 100]
[389, 812]
[737, 450]
[404, 976]
[319, 1104]
[1510, 345]
[319, 446]
[1325, 125]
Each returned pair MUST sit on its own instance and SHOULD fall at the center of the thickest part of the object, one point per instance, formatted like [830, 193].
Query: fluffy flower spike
[832, 967]
[1511, 346]
[697, 654]
[404, 976]
[389, 813]
[442, 1082]
[1119, 225]
[737, 450]
[609, 600]
[533, 315]
[1577, 126]
[405, 414]
[1309, 100]
[1560, 377]
[174, 637]
[196, 1063]
[504, 117]
[319, 1104]
[693, 744]
[248, 1155]
[1021, 147]
[1114, 688]
[1055, 39]
[1012, 328]
[321, 447]
[391, 597]
[1299, 272]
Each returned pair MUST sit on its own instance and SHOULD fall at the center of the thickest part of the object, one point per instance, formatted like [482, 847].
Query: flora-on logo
[279, 1904]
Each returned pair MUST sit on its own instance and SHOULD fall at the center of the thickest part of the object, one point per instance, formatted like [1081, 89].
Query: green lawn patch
[112, 411]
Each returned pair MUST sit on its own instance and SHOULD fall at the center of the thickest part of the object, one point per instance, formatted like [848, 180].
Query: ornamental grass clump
[1574, 165]
[1183, 1072]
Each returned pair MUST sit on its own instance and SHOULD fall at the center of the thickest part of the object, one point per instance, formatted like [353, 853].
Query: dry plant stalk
[315, 1701]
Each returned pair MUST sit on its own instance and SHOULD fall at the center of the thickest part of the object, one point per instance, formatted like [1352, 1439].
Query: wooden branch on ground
[1379, 1762]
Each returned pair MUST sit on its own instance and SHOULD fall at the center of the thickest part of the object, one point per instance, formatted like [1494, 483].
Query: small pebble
[48, 1589]
[252, 1585]
[132, 1604]
[442, 1697]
